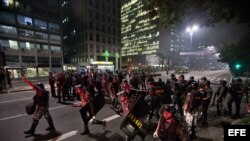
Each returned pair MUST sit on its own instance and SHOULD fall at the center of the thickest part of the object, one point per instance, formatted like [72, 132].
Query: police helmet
[191, 77]
[238, 80]
[169, 108]
[172, 75]
[208, 83]
[203, 78]
[223, 82]
[40, 85]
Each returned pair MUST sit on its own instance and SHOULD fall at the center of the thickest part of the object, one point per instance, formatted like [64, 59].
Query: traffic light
[237, 66]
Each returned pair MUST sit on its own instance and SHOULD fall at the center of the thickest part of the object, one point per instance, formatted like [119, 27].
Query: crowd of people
[177, 104]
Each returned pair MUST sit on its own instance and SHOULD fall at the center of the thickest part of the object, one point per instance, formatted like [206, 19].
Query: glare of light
[192, 29]
[217, 54]
[188, 29]
[195, 27]
[211, 48]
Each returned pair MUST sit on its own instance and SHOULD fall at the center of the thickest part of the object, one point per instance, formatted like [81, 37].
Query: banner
[134, 121]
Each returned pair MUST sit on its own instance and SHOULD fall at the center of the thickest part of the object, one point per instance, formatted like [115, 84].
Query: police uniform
[171, 131]
[220, 96]
[41, 100]
[52, 80]
[191, 109]
[236, 91]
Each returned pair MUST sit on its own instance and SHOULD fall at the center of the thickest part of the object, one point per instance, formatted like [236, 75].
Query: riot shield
[134, 121]
[159, 86]
[94, 106]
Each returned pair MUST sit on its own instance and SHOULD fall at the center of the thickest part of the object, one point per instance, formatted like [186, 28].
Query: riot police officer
[41, 101]
[236, 90]
[169, 128]
[191, 109]
[220, 95]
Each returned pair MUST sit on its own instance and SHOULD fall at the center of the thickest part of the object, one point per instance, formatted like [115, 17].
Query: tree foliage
[207, 12]
[237, 53]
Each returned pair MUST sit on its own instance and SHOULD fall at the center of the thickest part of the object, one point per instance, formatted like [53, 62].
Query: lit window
[8, 2]
[24, 20]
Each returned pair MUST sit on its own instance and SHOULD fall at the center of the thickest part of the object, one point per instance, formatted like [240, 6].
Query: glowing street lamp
[191, 31]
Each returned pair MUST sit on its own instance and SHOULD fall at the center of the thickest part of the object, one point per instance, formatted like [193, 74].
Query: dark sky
[222, 33]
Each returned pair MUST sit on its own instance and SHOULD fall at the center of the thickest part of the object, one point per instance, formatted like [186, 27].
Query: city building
[140, 35]
[177, 45]
[91, 34]
[30, 36]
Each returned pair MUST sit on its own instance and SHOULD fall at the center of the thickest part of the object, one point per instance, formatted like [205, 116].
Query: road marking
[64, 136]
[2, 119]
[15, 100]
[111, 118]
[16, 116]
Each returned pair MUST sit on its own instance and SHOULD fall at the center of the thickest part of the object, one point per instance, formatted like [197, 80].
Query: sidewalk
[214, 131]
[19, 86]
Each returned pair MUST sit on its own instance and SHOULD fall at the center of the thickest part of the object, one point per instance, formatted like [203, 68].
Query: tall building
[140, 35]
[177, 45]
[30, 36]
[91, 33]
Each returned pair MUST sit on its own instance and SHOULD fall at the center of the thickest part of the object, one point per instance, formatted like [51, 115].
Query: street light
[191, 31]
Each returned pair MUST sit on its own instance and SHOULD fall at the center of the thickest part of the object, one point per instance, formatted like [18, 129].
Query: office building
[30, 36]
[140, 35]
[91, 34]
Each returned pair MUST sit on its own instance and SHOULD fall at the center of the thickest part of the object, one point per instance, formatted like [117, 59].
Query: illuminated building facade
[30, 36]
[140, 35]
[91, 33]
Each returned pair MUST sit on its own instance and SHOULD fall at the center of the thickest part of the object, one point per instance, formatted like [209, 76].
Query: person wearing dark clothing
[236, 91]
[169, 128]
[41, 100]
[113, 90]
[206, 98]
[220, 95]
[2, 77]
[181, 93]
[52, 81]
[150, 79]
[191, 109]
[85, 98]
[9, 78]
[143, 79]
[60, 83]
[153, 100]
[134, 82]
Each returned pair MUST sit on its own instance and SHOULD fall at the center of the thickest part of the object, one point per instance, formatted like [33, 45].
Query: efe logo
[237, 132]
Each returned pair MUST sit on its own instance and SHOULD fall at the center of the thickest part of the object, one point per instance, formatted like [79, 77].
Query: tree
[207, 12]
[237, 55]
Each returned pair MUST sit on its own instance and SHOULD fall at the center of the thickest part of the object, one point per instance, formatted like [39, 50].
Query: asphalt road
[67, 120]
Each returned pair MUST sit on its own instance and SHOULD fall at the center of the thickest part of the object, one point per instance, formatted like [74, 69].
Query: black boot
[51, 124]
[32, 129]
[86, 130]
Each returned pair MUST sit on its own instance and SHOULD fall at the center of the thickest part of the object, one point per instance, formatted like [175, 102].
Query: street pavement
[13, 119]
